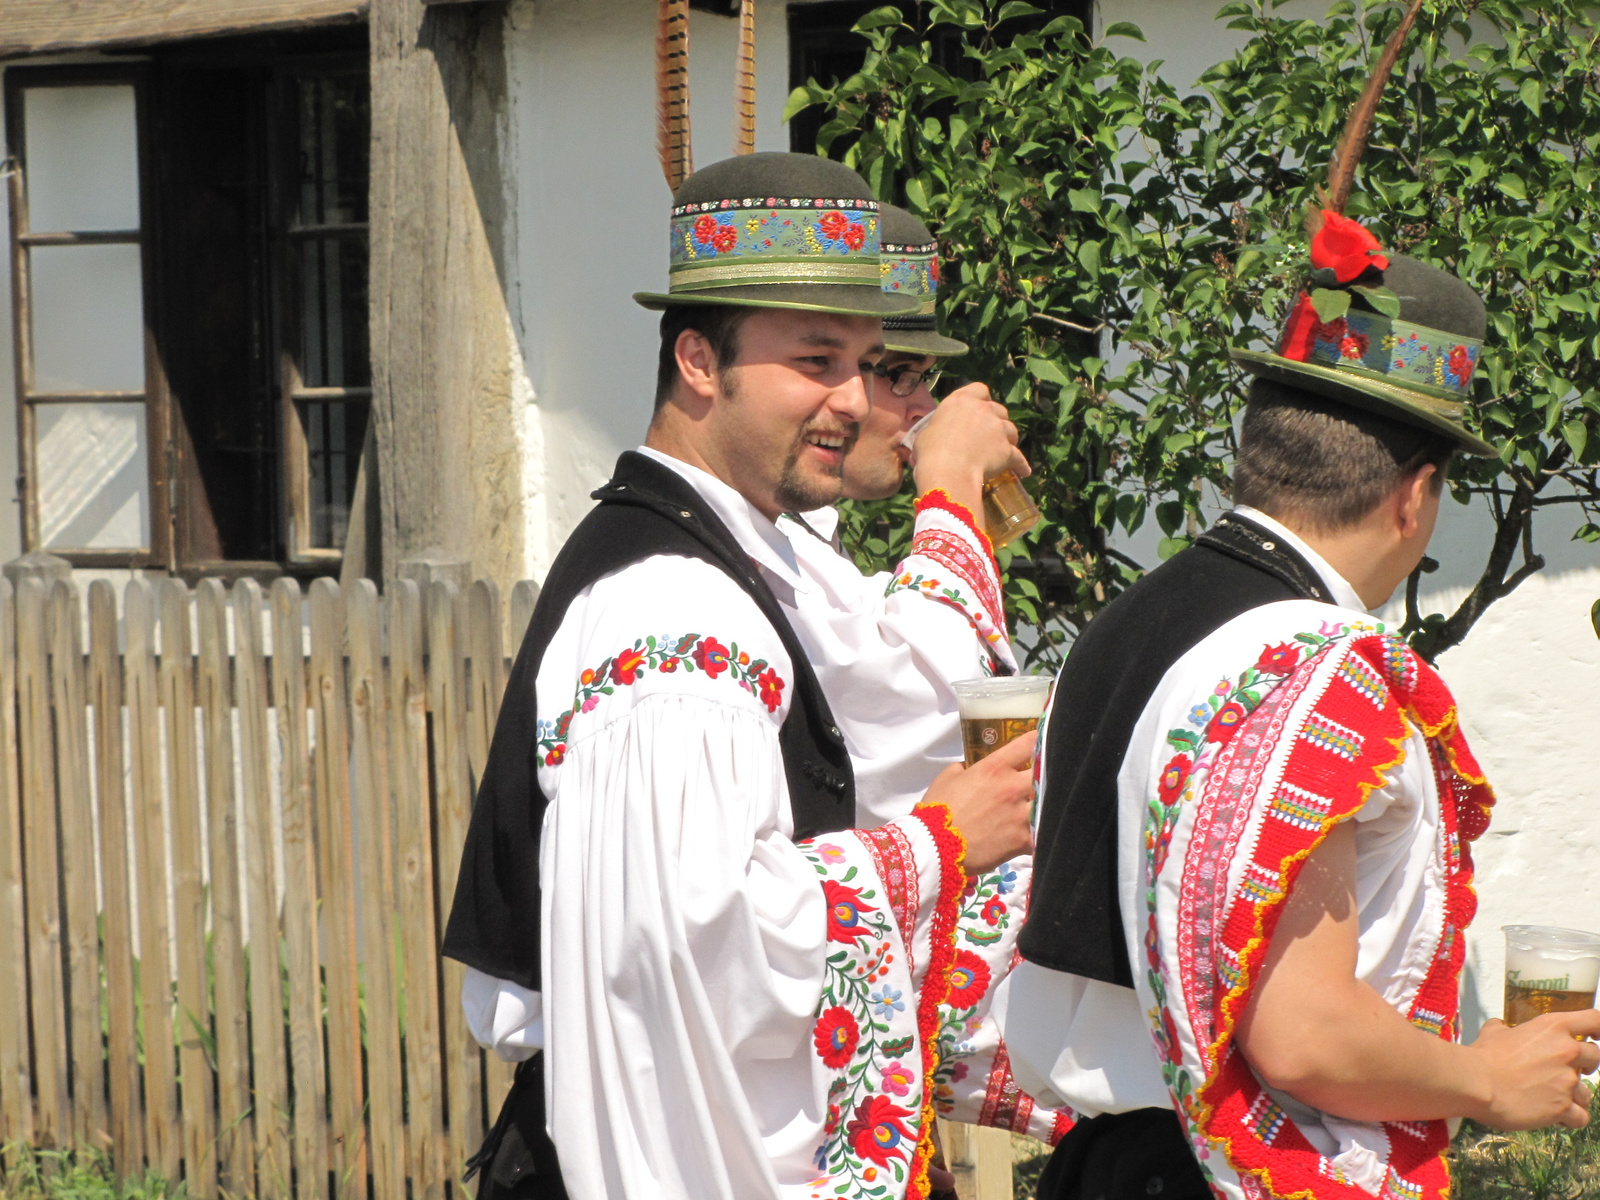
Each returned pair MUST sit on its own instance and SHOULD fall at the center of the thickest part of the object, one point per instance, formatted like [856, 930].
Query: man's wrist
[1477, 1083]
[956, 479]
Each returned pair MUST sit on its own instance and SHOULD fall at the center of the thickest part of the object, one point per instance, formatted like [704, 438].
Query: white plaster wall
[589, 207]
[1528, 681]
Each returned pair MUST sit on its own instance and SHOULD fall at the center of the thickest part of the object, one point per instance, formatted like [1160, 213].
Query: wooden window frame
[298, 555]
[155, 396]
[294, 393]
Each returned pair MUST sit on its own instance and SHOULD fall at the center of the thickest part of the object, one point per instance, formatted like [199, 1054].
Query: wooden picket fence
[228, 843]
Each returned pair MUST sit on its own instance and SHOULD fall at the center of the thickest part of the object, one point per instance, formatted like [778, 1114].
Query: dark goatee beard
[796, 494]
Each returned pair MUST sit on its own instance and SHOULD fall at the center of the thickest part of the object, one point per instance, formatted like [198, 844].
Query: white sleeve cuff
[503, 1016]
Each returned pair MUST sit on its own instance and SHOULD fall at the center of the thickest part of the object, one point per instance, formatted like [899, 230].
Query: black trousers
[1139, 1155]
[518, 1159]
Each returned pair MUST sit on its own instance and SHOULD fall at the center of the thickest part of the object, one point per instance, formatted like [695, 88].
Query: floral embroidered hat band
[910, 266]
[1382, 332]
[777, 231]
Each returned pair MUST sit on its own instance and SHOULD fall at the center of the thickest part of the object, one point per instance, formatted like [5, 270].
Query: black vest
[1074, 921]
[647, 509]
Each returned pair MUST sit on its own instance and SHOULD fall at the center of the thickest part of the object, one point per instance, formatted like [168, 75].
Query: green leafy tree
[1107, 239]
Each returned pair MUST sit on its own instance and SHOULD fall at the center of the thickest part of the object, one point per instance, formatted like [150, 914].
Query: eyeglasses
[903, 379]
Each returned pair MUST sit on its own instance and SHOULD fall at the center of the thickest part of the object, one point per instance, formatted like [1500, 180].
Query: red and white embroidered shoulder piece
[952, 562]
[887, 972]
[1269, 760]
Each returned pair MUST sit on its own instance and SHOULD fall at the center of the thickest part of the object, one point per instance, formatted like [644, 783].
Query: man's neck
[1360, 553]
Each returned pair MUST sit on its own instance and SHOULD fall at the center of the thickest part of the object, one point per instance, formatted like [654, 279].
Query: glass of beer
[994, 711]
[1549, 970]
[1008, 510]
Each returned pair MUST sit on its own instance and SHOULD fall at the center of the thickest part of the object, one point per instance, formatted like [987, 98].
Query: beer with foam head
[994, 711]
[1549, 970]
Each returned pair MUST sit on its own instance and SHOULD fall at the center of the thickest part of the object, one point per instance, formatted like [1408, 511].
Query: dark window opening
[247, 220]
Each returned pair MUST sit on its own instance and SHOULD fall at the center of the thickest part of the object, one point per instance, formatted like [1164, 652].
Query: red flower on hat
[725, 238]
[855, 235]
[933, 270]
[704, 229]
[1345, 247]
[1461, 364]
[1353, 345]
[833, 225]
[1329, 332]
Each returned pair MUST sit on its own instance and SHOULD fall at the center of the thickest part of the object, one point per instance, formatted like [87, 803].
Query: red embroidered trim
[956, 556]
[1232, 1109]
[940, 499]
[1005, 1105]
[895, 861]
[1063, 1126]
[936, 984]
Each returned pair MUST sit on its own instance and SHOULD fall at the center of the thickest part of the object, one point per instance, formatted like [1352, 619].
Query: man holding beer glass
[1252, 876]
[888, 646]
[891, 649]
[726, 981]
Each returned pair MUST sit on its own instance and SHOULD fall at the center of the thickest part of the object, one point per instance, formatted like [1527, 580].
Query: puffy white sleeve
[727, 1013]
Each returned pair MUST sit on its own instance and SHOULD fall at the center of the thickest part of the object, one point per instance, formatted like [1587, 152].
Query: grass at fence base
[29, 1174]
[1544, 1164]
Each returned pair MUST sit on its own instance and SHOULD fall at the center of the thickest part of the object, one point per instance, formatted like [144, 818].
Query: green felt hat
[1415, 367]
[776, 231]
[910, 258]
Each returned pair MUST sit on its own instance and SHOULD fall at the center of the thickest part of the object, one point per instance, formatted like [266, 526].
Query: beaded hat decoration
[776, 231]
[910, 267]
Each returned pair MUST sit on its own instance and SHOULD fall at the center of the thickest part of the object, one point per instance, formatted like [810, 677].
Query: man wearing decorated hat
[887, 648]
[719, 980]
[1252, 878]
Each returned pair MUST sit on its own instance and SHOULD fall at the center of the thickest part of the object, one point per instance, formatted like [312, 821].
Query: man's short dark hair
[1322, 463]
[718, 323]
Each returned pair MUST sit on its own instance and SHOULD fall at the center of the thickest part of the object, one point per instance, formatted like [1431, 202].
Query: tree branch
[1072, 325]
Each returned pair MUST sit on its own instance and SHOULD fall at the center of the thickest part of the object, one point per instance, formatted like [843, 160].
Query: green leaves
[1380, 298]
[1125, 29]
[1330, 303]
[1073, 187]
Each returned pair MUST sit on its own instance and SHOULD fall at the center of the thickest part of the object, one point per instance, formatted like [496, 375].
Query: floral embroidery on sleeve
[875, 1031]
[863, 1033]
[665, 655]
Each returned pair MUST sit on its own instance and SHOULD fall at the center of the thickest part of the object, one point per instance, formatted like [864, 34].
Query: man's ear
[697, 364]
[1414, 492]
